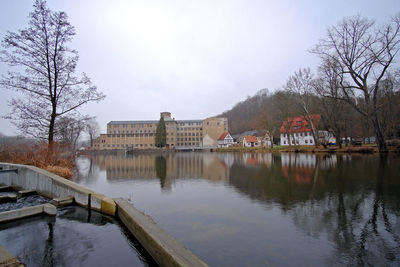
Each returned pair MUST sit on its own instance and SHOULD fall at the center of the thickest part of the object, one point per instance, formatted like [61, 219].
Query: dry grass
[56, 160]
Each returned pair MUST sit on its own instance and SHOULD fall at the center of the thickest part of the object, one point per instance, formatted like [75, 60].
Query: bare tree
[363, 54]
[286, 110]
[300, 85]
[328, 87]
[48, 84]
[93, 130]
[266, 120]
[68, 130]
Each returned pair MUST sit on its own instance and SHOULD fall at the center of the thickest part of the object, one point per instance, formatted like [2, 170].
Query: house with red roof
[225, 140]
[250, 141]
[297, 131]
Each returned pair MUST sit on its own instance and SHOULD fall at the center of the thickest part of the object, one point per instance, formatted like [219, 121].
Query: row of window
[189, 123]
[132, 125]
[190, 129]
[190, 134]
[299, 134]
[188, 144]
[131, 135]
[297, 142]
[188, 139]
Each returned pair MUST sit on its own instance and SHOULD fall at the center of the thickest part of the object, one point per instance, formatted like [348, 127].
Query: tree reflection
[353, 201]
[355, 219]
[161, 169]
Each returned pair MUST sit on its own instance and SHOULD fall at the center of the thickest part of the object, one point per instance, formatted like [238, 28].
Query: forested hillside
[242, 116]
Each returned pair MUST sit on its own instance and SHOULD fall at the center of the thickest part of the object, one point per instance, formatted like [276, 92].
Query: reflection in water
[69, 240]
[348, 206]
[161, 169]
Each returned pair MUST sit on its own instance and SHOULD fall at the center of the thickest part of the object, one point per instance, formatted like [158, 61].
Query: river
[253, 209]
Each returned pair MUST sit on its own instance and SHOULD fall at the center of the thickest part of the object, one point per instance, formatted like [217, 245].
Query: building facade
[180, 133]
[225, 140]
[297, 131]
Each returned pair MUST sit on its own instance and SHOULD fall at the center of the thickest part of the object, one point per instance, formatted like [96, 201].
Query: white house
[250, 141]
[225, 140]
[297, 131]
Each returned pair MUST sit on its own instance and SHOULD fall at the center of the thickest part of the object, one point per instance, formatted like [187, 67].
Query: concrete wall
[52, 186]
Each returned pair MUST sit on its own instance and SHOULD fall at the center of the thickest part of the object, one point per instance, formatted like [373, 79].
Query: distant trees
[363, 55]
[68, 130]
[334, 111]
[92, 129]
[243, 115]
[161, 134]
[45, 74]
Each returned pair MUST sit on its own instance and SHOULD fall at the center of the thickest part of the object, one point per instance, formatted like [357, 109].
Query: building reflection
[166, 167]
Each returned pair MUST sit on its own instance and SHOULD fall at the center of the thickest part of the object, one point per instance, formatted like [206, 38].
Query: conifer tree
[161, 134]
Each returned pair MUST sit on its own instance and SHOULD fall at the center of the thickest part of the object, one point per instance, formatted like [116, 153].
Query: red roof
[250, 139]
[223, 135]
[300, 124]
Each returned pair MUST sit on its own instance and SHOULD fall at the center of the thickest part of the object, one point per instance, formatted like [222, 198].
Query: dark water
[75, 237]
[22, 202]
[234, 209]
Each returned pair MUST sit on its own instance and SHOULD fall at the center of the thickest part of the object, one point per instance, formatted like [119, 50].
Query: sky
[195, 59]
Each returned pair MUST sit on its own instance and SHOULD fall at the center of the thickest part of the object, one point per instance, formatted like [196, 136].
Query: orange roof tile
[223, 135]
[251, 139]
[299, 124]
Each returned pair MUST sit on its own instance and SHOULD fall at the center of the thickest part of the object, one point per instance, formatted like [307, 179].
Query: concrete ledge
[62, 201]
[11, 215]
[5, 188]
[8, 198]
[24, 193]
[164, 249]
[53, 186]
[6, 259]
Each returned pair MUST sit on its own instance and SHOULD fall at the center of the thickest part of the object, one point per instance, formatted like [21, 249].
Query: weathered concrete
[62, 201]
[24, 193]
[52, 186]
[5, 188]
[164, 249]
[6, 259]
[12, 215]
[8, 198]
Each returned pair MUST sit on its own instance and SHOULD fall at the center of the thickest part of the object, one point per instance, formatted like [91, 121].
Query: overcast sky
[195, 59]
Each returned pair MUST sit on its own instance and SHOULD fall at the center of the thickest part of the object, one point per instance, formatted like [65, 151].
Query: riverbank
[365, 149]
[59, 161]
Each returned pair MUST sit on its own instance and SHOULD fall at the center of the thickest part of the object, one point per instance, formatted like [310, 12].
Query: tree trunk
[378, 133]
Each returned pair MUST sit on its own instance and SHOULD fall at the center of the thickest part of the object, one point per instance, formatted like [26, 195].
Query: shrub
[58, 159]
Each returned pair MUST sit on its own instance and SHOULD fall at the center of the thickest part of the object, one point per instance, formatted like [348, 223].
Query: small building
[250, 141]
[264, 139]
[225, 140]
[297, 131]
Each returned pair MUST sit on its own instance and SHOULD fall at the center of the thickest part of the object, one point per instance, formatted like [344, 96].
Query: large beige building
[180, 133]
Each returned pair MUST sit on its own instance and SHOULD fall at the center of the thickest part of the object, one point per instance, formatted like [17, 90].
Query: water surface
[243, 209]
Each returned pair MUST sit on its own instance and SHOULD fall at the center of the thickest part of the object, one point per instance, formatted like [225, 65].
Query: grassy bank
[58, 161]
[365, 149]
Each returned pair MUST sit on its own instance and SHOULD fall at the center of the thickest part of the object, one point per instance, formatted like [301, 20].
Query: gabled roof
[251, 139]
[299, 124]
[223, 135]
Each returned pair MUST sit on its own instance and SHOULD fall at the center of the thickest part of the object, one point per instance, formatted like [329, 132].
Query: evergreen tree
[161, 134]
